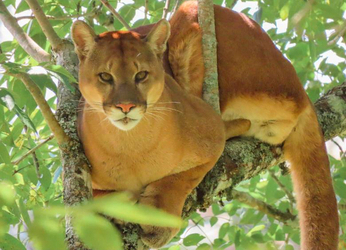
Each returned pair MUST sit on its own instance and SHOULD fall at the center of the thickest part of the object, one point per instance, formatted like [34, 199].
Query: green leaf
[340, 188]
[9, 218]
[192, 239]
[223, 230]
[257, 16]
[97, 232]
[7, 100]
[62, 75]
[22, 7]
[24, 212]
[218, 242]
[204, 246]
[47, 233]
[127, 12]
[8, 242]
[177, 247]
[43, 80]
[46, 177]
[280, 235]
[24, 118]
[118, 207]
[284, 12]
[4, 156]
[213, 220]
[255, 230]
[289, 247]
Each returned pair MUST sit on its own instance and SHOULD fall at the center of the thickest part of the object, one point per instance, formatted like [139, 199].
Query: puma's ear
[83, 38]
[158, 36]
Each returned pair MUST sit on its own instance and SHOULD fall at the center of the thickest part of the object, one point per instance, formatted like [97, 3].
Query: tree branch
[36, 164]
[58, 18]
[32, 150]
[244, 158]
[116, 14]
[29, 45]
[47, 113]
[146, 9]
[77, 180]
[207, 24]
[177, 3]
[46, 27]
[262, 206]
[165, 9]
[286, 191]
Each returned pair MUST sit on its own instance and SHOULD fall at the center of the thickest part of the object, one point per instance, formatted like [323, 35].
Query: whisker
[103, 120]
[167, 109]
[163, 102]
[158, 111]
[154, 116]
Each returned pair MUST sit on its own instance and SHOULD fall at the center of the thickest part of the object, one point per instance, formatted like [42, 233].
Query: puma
[145, 128]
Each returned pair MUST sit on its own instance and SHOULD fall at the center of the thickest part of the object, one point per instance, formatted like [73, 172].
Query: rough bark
[207, 24]
[244, 158]
[77, 181]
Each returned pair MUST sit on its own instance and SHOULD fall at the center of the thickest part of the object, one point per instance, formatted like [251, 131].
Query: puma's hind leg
[169, 194]
[236, 127]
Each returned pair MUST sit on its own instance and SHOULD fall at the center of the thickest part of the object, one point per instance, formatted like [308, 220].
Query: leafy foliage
[311, 34]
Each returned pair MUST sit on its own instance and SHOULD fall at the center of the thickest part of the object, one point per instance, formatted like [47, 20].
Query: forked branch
[29, 45]
[43, 21]
[31, 151]
[116, 14]
[262, 206]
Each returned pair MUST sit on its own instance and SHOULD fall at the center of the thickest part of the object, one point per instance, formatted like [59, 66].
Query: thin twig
[19, 169]
[29, 45]
[342, 154]
[233, 4]
[146, 9]
[177, 3]
[165, 9]
[262, 206]
[116, 14]
[298, 17]
[32, 150]
[59, 18]
[44, 23]
[36, 164]
[339, 32]
[284, 188]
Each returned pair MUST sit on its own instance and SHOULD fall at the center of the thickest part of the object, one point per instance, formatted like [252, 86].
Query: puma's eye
[106, 77]
[141, 76]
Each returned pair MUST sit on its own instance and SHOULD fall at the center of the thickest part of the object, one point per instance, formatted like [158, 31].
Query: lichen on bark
[76, 168]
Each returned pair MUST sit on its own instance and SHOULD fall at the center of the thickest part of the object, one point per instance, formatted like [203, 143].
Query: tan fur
[179, 137]
[258, 86]
[168, 152]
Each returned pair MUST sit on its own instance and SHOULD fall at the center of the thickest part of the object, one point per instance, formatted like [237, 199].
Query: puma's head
[120, 72]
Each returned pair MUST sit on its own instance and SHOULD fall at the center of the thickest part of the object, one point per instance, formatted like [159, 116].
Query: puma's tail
[305, 150]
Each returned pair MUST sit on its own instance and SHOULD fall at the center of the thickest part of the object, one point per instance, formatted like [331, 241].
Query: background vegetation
[310, 33]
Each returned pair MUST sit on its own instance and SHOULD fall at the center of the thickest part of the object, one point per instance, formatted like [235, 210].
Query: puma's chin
[125, 123]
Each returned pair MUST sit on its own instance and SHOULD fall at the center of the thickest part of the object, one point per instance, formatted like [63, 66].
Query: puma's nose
[125, 107]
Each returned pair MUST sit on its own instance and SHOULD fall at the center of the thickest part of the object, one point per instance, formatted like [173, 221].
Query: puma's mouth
[125, 123]
[126, 120]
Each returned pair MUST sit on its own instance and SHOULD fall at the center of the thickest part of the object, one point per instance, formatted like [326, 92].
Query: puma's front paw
[156, 237]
